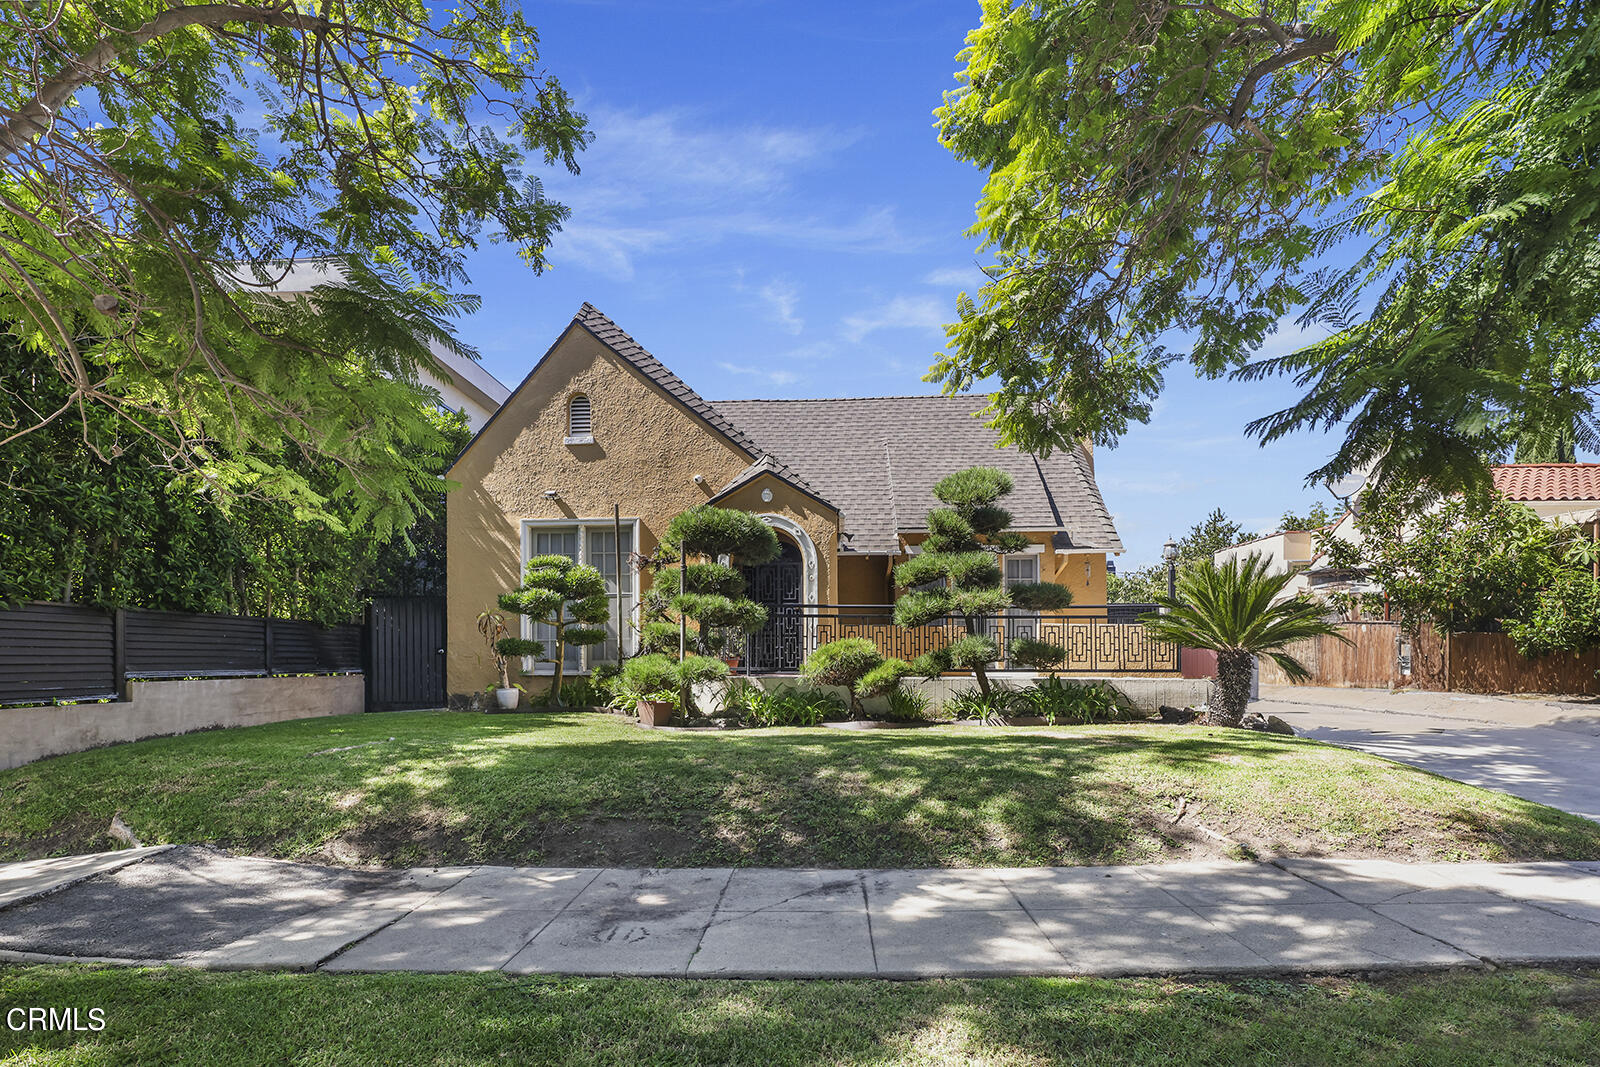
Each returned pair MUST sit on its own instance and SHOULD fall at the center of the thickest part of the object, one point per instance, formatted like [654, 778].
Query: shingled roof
[876, 459]
[617, 339]
[766, 464]
[1547, 481]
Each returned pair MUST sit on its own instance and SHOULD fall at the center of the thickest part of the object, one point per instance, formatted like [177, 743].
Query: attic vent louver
[580, 423]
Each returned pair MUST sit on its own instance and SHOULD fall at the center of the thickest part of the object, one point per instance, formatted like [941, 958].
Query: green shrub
[1066, 701]
[699, 669]
[712, 532]
[907, 705]
[649, 677]
[1564, 617]
[517, 647]
[884, 679]
[578, 693]
[971, 652]
[971, 703]
[844, 662]
[787, 705]
[1036, 655]
[605, 677]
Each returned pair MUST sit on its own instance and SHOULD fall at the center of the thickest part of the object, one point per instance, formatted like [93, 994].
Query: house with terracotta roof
[1556, 492]
[1566, 492]
[601, 445]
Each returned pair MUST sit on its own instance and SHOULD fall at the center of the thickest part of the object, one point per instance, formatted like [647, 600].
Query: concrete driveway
[1541, 749]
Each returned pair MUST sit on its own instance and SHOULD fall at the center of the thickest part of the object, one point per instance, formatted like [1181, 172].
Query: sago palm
[1229, 610]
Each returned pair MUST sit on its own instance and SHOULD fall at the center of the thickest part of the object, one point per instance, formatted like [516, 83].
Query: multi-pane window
[596, 545]
[1021, 570]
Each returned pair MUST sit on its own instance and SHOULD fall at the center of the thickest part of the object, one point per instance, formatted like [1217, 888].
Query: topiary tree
[566, 596]
[959, 554]
[856, 664]
[1037, 655]
[695, 603]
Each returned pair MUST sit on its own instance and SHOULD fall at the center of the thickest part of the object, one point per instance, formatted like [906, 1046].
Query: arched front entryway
[782, 586]
[777, 586]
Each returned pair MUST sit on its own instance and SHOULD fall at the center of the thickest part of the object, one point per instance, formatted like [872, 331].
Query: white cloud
[782, 297]
[664, 182]
[968, 278]
[676, 148]
[776, 377]
[926, 313]
[1288, 337]
[1154, 483]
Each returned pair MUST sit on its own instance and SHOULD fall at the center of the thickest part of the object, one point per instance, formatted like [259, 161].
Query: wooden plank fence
[1457, 663]
[1370, 659]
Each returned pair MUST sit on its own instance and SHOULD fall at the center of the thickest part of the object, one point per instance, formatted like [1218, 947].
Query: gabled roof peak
[614, 337]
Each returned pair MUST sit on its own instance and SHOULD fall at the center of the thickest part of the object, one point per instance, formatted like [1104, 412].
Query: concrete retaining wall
[156, 709]
[1146, 694]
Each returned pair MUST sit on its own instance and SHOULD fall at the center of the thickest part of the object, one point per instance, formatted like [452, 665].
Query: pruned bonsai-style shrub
[657, 676]
[958, 570]
[1036, 655]
[856, 664]
[695, 605]
[566, 596]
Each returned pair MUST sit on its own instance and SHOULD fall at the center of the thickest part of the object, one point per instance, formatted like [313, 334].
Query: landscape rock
[1268, 724]
[1177, 715]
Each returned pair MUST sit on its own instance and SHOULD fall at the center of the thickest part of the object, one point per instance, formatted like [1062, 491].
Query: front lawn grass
[569, 789]
[177, 1016]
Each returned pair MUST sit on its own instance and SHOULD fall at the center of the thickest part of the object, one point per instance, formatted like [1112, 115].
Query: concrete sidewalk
[194, 907]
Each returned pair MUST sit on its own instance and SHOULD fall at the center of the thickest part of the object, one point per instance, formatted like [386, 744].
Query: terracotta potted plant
[656, 709]
[652, 681]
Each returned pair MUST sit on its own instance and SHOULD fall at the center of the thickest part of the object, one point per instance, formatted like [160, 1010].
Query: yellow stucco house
[601, 435]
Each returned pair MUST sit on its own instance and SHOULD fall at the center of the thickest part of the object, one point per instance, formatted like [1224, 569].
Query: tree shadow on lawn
[903, 800]
[564, 789]
[1516, 1017]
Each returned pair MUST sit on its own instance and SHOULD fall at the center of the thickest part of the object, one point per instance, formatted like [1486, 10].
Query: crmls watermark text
[55, 1019]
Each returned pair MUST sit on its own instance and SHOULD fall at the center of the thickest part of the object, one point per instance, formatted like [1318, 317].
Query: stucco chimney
[1088, 454]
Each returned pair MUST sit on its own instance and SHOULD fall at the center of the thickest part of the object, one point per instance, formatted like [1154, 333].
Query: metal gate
[405, 653]
[776, 647]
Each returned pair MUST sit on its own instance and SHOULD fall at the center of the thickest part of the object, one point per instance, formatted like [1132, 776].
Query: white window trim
[628, 638]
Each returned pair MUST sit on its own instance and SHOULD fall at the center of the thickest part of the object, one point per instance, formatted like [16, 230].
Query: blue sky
[766, 208]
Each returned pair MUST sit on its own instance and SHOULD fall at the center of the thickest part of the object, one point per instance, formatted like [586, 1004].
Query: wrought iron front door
[775, 648]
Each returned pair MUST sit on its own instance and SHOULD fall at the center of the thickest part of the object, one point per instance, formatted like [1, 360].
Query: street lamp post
[1169, 552]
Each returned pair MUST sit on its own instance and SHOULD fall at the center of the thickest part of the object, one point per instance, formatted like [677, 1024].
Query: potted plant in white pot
[505, 648]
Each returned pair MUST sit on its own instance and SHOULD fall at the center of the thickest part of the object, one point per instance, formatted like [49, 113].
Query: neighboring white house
[465, 387]
[1556, 492]
[1284, 551]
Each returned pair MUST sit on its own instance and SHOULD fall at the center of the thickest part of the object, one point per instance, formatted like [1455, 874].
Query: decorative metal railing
[1093, 644]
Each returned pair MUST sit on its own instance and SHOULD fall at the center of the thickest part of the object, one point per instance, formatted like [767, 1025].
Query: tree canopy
[161, 163]
[1166, 174]
[92, 513]
[1481, 564]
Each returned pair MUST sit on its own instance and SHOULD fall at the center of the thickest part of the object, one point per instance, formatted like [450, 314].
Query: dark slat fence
[56, 652]
[70, 652]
